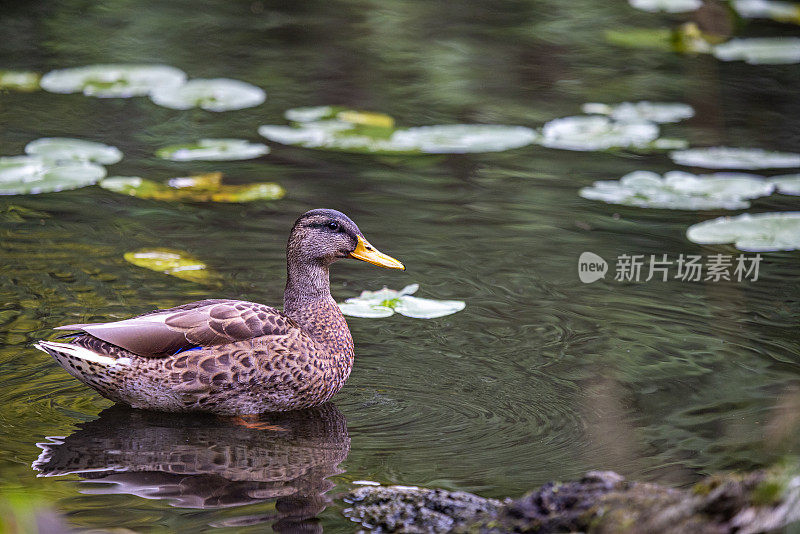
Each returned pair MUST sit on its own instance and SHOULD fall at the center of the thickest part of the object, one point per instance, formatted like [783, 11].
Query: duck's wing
[204, 323]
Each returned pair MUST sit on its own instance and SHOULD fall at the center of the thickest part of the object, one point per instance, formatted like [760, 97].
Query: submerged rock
[601, 502]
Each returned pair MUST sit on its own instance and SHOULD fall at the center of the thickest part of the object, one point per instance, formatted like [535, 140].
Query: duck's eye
[333, 226]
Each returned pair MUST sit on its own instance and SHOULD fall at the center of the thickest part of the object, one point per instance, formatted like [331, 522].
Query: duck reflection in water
[210, 462]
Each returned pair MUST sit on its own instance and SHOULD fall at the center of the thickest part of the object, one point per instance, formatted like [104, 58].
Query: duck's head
[323, 236]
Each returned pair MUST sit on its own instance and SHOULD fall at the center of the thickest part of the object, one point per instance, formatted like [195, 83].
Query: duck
[233, 357]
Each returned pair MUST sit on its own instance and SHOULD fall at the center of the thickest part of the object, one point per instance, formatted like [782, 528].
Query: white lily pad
[681, 190]
[768, 9]
[110, 81]
[753, 233]
[215, 94]
[788, 184]
[19, 80]
[760, 50]
[669, 6]
[593, 132]
[29, 175]
[660, 112]
[735, 158]
[213, 150]
[62, 149]
[386, 302]
[340, 129]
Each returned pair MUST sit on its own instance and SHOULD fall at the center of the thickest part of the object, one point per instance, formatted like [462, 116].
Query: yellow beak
[366, 252]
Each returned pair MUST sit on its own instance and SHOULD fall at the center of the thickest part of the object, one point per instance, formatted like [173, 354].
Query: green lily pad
[668, 6]
[213, 150]
[200, 188]
[753, 233]
[340, 129]
[172, 262]
[788, 184]
[19, 80]
[386, 302]
[592, 132]
[112, 81]
[62, 149]
[681, 190]
[215, 94]
[27, 175]
[735, 158]
[660, 112]
[760, 50]
[768, 9]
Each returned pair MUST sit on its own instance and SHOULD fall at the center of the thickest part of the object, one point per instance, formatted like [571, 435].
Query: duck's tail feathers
[66, 354]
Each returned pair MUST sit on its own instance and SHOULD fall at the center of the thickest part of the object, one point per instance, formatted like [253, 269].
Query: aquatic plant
[64, 149]
[760, 50]
[767, 9]
[680, 190]
[753, 233]
[660, 112]
[788, 184]
[199, 188]
[19, 80]
[216, 94]
[113, 80]
[30, 175]
[735, 158]
[213, 150]
[669, 6]
[385, 302]
[172, 262]
[594, 132]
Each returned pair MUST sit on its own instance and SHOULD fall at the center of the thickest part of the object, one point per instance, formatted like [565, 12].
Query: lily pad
[592, 132]
[386, 302]
[19, 80]
[215, 94]
[660, 112]
[200, 188]
[172, 262]
[62, 149]
[753, 233]
[112, 81]
[340, 129]
[213, 150]
[669, 6]
[27, 175]
[680, 190]
[735, 158]
[768, 9]
[760, 50]
[788, 184]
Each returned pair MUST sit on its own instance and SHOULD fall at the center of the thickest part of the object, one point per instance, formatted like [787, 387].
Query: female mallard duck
[233, 357]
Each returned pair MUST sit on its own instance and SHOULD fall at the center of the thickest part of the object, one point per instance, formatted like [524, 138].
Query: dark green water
[541, 377]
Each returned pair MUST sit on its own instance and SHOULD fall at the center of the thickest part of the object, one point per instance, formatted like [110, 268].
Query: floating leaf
[173, 262]
[760, 50]
[216, 94]
[788, 184]
[680, 190]
[735, 158]
[213, 150]
[644, 38]
[63, 149]
[108, 81]
[592, 132]
[334, 128]
[19, 80]
[27, 175]
[753, 233]
[385, 302]
[669, 6]
[200, 188]
[660, 112]
[768, 9]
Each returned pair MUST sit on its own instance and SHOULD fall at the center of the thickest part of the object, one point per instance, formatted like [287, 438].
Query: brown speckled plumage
[251, 358]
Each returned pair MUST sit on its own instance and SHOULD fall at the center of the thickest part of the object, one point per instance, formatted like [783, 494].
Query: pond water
[540, 377]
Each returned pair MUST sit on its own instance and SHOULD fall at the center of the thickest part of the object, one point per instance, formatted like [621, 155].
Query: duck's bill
[366, 252]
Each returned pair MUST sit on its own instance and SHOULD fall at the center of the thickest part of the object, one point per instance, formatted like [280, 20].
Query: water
[539, 378]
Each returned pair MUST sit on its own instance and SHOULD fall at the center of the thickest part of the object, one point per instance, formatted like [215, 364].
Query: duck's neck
[307, 299]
